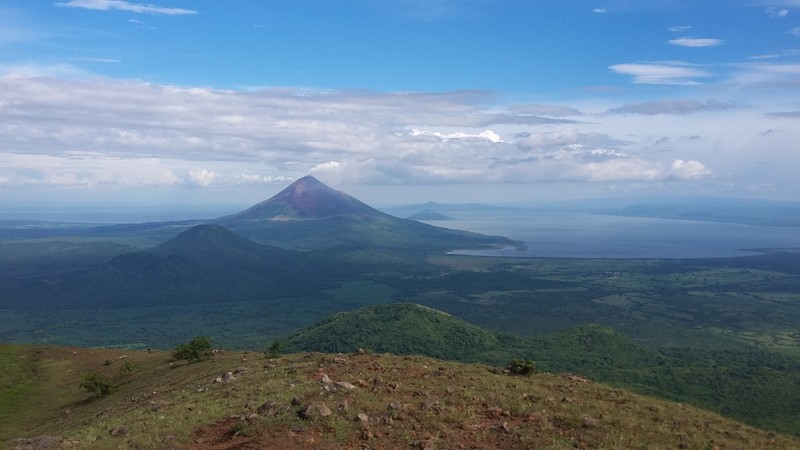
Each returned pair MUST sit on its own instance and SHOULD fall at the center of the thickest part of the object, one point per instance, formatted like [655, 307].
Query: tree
[96, 384]
[522, 367]
[196, 350]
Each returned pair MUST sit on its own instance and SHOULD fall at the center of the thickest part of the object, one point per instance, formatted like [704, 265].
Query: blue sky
[397, 100]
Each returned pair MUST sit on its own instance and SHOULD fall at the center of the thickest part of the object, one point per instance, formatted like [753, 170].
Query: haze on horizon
[401, 101]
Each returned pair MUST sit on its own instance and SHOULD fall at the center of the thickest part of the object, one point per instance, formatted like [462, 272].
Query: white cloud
[680, 28]
[129, 133]
[671, 107]
[486, 134]
[201, 177]
[686, 170]
[795, 31]
[563, 137]
[777, 12]
[696, 42]
[599, 10]
[670, 73]
[107, 5]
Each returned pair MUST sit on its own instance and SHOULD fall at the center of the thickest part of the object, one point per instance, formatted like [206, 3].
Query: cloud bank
[105, 132]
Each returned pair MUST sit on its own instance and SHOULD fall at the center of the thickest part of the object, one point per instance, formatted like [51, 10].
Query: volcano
[306, 198]
[309, 215]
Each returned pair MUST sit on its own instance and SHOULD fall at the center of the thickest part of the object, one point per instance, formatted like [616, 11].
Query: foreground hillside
[313, 400]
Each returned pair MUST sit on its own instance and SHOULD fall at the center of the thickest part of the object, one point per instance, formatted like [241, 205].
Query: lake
[584, 235]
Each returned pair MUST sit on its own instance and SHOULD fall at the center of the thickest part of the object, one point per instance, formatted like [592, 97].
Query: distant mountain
[204, 264]
[429, 214]
[306, 198]
[310, 215]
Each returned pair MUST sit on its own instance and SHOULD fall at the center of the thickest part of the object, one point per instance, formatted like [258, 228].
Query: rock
[395, 405]
[37, 443]
[316, 410]
[504, 428]
[340, 359]
[241, 371]
[360, 351]
[227, 377]
[345, 385]
[589, 422]
[268, 408]
[343, 406]
[325, 379]
[363, 418]
[296, 401]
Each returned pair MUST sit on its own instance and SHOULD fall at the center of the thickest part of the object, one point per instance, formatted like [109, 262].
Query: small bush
[522, 367]
[275, 349]
[128, 367]
[96, 384]
[198, 349]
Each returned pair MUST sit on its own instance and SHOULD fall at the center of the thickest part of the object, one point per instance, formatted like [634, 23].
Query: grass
[408, 401]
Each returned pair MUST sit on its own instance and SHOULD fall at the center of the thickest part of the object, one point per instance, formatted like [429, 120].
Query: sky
[201, 102]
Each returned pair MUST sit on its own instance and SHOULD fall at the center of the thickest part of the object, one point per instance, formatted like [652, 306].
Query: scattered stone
[316, 410]
[331, 388]
[119, 431]
[360, 351]
[343, 406]
[37, 443]
[362, 383]
[345, 385]
[268, 408]
[576, 378]
[296, 401]
[395, 405]
[241, 371]
[589, 422]
[504, 428]
[325, 379]
[566, 400]
[363, 418]
[340, 359]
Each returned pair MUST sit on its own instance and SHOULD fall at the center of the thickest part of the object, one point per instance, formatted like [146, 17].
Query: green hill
[404, 329]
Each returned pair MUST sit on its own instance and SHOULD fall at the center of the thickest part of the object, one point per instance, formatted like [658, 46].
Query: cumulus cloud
[679, 107]
[696, 42]
[201, 177]
[487, 134]
[686, 170]
[105, 132]
[599, 10]
[670, 73]
[107, 5]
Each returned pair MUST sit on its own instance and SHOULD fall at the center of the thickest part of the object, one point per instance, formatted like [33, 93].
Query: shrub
[522, 367]
[96, 384]
[275, 349]
[198, 349]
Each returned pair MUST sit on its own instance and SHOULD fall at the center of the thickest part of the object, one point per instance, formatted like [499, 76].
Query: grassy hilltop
[313, 400]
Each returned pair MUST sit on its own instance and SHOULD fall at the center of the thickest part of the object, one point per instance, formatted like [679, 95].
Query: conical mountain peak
[306, 198]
